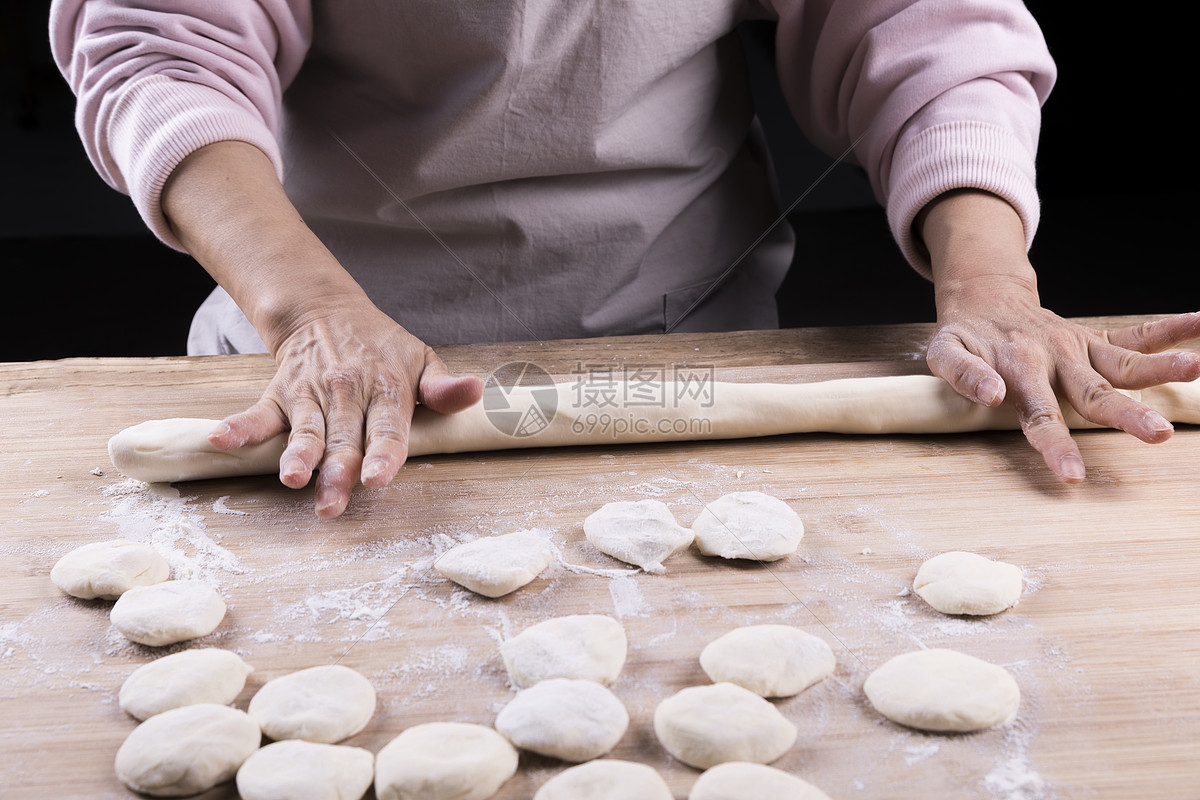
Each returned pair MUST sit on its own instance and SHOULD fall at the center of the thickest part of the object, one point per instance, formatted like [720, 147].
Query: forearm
[229, 210]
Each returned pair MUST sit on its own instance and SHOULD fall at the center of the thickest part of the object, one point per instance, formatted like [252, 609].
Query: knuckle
[1038, 417]
[387, 431]
[342, 382]
[341, 443]
[1096, 393]
[1128, 362]
[307, 427]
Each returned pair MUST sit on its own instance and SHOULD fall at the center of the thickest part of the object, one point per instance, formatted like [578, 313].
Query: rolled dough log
[178, 449]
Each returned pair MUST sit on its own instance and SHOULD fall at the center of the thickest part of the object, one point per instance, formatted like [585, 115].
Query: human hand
[994, 341]
[1000, 343]
[347, 383]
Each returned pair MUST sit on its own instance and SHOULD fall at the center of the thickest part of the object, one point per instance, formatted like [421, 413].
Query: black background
[81, 277]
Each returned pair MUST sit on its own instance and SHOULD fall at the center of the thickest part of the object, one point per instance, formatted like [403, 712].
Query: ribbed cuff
[160, 121]
[959, 155]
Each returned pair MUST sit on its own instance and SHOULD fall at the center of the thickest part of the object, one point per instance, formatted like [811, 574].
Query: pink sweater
[588, 167]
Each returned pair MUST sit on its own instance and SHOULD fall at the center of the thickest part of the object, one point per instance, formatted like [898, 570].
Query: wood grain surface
[1104, 644]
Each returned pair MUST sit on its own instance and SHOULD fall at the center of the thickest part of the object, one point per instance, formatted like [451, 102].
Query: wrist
[976, 243]
[227, 207]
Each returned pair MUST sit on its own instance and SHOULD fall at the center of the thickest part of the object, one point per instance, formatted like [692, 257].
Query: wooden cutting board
[1104, 643]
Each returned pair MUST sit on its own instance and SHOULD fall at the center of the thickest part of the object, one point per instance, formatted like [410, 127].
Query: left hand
[994, 340]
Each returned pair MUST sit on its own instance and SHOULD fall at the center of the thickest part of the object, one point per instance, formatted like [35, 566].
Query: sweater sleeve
[931, 95]
[158, 79]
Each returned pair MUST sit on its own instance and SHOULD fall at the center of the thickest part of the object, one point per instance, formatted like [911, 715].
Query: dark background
[81, 277]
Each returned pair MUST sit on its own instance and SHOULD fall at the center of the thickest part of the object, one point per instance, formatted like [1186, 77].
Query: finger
[1095, 399]
[1043, 424]
[970, 375]
[342, 461]
[388, 423]
[443, 392]
[1154, 337]
[257, 424]
[306, 444]
[1129, 369]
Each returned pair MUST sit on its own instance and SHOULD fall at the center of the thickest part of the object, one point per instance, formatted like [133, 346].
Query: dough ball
[299, 770]
[642, 532]
[187, 750]
[748, 525]
[496, 565]
[168, 612]
[607, 779]
[943, 690]
[320, 704]
[590, 646]
[575, 720]
[769, 660]
[967, 583]
[740, 780]
[707, 725]
[108, 569]
[444, 761]
[205, 675]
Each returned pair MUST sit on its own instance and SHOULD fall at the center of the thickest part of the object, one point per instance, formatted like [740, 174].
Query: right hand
[348, 380]
[349, 376]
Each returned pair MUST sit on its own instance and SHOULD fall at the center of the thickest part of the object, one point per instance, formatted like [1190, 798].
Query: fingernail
[372, 471]
[1157, 422]
[327, 498]
[988, 390]
[1072, 469]
[292, 468]
[220, 431]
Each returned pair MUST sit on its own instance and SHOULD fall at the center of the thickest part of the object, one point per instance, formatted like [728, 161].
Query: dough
[108, 569]
[323, 704]
[166, 450]
[204, 675]
[444, 761]
[640, 532]
[740, 780]
[769, 660]
[168, 612]
[299, 770]
[589, 646]
[496, 565]
[575, 720]
[176, 450]
[749, 525]
[187, 750]
[967, 583]
[607, 779]
[943, 690]
[703, 726]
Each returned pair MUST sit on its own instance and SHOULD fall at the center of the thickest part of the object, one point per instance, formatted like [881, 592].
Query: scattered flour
[627, 598]
[1012, 777]
[370, 601]
[156, 515]
[219, 507]
[917, 753]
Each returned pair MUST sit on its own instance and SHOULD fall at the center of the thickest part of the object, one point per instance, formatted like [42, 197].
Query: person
[365, 179]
